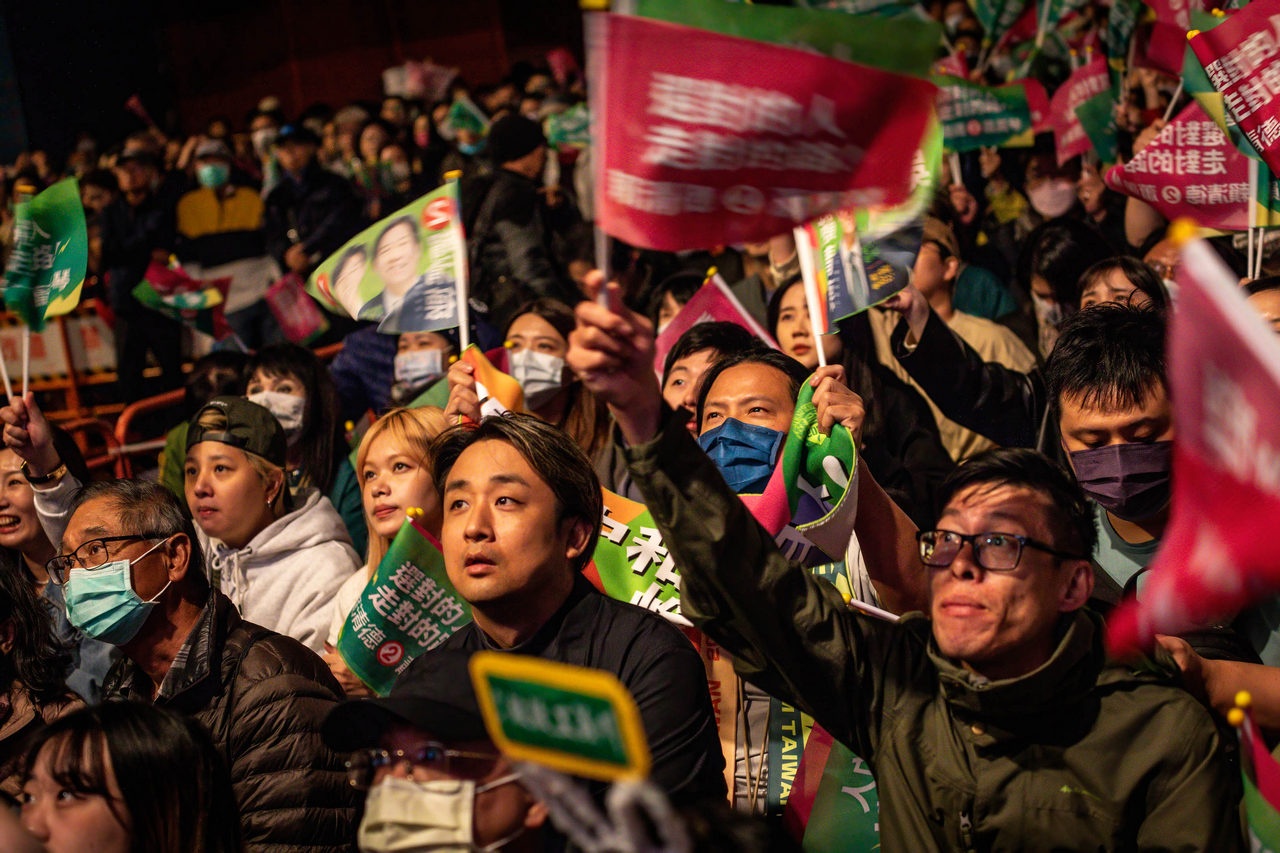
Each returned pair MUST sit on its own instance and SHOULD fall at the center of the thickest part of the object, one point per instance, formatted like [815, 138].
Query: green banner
[569, 129]
[813, 463]
[884, 8]
[788, 730]
[901, 45]
[1098, 118]
[996, 17]
[1264, 820]
[846, 808]
[408, 607]
[46, 266]
[632, 563]
[198, 304]
[976, 116]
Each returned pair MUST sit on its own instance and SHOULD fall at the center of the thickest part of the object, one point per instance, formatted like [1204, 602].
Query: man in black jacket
[522, 511]
[311, 212]
[134, 577]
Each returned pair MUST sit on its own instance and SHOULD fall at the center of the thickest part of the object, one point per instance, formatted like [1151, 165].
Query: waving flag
[707, 139]
[499, 392]
[408, 271]
[975, 116]
[49, 254]
[1069, 134]
[844, 274]
[1218, 553]
[198, 304]
[1261, 777]
[408, 607]
[714, 301]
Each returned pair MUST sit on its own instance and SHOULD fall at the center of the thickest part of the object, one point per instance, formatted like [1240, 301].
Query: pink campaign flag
[1241, 57]
[1167, 44]
[713, 301]
[1219, 554]
[705, 139]
[1069, 136]
[1191, 169]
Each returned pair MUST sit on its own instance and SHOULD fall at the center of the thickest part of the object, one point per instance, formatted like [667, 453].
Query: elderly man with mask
[985, 721]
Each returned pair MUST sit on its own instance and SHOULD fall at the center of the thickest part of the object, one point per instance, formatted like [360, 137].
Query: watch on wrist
[56, 474]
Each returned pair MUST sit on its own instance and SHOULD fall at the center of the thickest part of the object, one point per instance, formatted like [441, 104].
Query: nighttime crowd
[170, 670]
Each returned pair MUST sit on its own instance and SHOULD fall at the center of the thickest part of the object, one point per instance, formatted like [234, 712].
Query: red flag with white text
[1218, 554]
[1069, 136]
[705, 139]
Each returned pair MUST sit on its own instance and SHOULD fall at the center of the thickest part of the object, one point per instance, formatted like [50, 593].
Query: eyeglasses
[91, 555]
[995, 552]
[365, 763]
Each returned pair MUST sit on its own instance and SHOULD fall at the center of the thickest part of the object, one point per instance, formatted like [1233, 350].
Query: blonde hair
[213, 418]
[411, 429]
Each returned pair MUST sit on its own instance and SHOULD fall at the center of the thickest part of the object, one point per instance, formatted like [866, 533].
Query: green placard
[573, 719]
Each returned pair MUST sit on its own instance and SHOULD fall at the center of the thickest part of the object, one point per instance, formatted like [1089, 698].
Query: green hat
[248, 426]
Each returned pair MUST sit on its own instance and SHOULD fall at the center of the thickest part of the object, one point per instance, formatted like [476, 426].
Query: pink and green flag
[198, 304]
[408, 607]
[50, 252]
[834, 805]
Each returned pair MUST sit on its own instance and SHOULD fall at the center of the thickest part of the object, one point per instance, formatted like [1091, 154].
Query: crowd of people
[169, 644]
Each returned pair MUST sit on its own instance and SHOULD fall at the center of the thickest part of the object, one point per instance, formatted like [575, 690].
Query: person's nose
[35, 820]
[479, 523]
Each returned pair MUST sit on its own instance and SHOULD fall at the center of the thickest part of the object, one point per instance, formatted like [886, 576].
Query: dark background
[69, 65]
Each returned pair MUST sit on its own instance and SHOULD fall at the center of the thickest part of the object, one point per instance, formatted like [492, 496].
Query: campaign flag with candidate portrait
[1241, 56]
[706, 139]
[408, 271]
[1218, 553]
[844, 274]
[713, 302]
[48, 256]
[408, 607]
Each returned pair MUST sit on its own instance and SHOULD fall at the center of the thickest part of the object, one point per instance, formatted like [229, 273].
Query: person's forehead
[1078, 413]
[751, 377]
[532, 325]
[1165, 251]
[695, 362]
[494, 460]
[1013, 506]
[93, 518]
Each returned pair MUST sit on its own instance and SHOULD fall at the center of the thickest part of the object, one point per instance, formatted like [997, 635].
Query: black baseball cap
[296, 133]
[250, 427]
[434, 694]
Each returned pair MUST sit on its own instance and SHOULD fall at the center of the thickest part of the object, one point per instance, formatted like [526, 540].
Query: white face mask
[262, 139]
[402, 815]
[1052, 198]
[288, 409]
[539, 374]
[417, 367]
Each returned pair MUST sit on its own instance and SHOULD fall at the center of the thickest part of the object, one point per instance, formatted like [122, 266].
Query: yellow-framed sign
[576, 720]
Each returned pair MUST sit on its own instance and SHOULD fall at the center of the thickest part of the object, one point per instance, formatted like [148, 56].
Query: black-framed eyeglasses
[995, 552]
[91, 555]
[364, 764]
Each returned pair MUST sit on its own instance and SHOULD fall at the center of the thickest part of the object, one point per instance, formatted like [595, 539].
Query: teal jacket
[1080, 754]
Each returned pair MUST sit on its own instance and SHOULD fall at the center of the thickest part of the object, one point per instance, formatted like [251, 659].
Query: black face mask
[1131, 481]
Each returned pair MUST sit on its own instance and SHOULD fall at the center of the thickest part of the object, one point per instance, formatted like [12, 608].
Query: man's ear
[537, 814]
[178, 549]
[952, 268]
[580, 533]
[8, 636]
[1078, 585]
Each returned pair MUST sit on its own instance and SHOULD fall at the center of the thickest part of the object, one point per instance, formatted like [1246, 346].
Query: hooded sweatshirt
[286, 577]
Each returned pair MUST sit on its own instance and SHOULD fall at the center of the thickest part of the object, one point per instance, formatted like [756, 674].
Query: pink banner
[1037, 104]
[1242, 58]
[713, 301]
[1191, 169]
[1218, 554]
[705, 139]
[1069, 135]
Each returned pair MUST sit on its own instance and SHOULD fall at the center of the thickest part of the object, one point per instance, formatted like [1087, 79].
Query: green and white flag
[45, 270]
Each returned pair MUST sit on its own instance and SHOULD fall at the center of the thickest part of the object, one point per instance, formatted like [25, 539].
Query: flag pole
[26, 359]
[1173, 102]
[1253, 214]
[4, 374]
[464, 270]
[813, 298]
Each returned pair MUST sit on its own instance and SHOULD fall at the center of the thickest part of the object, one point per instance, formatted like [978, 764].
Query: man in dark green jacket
[993, 723]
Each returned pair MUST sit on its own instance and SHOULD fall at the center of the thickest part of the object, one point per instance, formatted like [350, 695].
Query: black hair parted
[1071, 514]
[1139, 274]
[720, 335]
[1108, 356]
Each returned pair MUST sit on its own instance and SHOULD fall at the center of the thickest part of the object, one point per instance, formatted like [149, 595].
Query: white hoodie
[285, 579]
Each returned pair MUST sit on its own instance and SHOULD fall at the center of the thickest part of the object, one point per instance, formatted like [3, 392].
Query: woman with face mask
[422, 360]
[1053, 259]
[537, 341]
[33, 668]
[280, 559]
[290, 382]
[395, 475]
[128, 776]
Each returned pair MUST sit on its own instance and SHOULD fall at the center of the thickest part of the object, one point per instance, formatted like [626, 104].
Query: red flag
[1037, 103]
[1242, 59]
[1191, 169]
[707, 139]
[713, 301]
[1167, 42]
[1218, 554]
[1069, 136]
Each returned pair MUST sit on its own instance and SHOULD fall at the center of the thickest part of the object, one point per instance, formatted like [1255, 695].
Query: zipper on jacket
[966, 832]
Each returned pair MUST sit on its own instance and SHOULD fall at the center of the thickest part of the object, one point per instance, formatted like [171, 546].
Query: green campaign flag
[1050, 12]
[569, 129]
[996, 17]
[816, 465]
[884, 8]
[198, 304]
[1098, 118]
[845, 814]
[975, 116]
[900, 45]
[50, 253]
[1121, 21]
[1264, 820]
[631, 563]
[408, 607]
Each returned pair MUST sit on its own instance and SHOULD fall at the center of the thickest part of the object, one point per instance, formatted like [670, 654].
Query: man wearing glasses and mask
[434, 779]
[134, 577]
[991, 722]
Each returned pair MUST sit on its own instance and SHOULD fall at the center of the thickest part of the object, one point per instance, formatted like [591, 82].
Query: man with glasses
[134, 576]
[992, 722]
[434, 779]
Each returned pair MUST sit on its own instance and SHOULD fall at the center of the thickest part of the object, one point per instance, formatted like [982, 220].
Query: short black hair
[720, 335]
[395, 223]
[1262, 285]
[1072, 514]
[1108, 355]
[1140, 275]
[795, 372]
[1059, 251]
[681, 285]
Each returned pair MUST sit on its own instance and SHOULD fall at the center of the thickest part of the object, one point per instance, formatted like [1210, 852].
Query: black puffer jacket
[263, 697]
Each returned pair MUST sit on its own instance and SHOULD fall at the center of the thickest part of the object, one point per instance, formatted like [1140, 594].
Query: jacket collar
[1056, 688]
[192, 677]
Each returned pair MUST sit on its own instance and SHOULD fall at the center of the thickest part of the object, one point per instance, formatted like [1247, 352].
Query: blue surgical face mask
[102, 604]
[745, 453]
[213, 175]
[471, 148]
